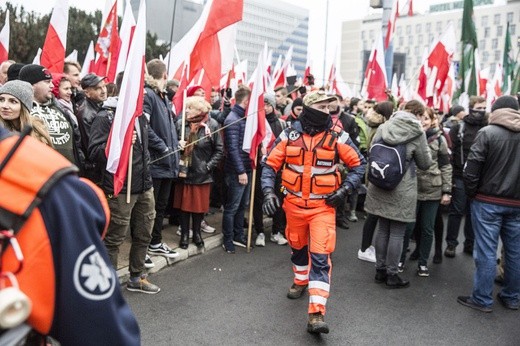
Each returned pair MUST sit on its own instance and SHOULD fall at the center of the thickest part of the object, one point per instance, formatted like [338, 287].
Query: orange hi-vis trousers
[312, 231]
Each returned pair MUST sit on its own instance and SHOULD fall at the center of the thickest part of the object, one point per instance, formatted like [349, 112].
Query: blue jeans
[490, 222]
[237, 196]
[458, 208]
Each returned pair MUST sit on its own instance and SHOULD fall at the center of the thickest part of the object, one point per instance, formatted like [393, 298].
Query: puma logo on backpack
[386, 164]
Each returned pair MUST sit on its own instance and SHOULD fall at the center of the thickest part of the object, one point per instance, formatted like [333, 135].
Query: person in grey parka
[396, 208]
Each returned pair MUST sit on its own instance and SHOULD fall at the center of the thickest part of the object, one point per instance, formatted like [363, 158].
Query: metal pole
[389, 52]
[171, 34]
[325, 48]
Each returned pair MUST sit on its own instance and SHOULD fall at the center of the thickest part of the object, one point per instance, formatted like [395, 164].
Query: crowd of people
[399, 165]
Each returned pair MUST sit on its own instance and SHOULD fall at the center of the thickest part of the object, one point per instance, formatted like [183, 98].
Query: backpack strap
[26, 177]
[460, 135]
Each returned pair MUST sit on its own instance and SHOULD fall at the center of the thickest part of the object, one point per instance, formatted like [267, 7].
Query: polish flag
[178, 98]
[341, 87]
[108, 43]
[391, 23]
[127, 31]
[375, 82]
[494, 89]
[88, 63]
[129, 105]
[36, 59]
[446, 97]
[4, 39]
[257, 129]
[395, 87]
[483, 78]
[72, 56]
[53, 51]
[410, 8]
[422, 92]
[207, 53]
[279, 79]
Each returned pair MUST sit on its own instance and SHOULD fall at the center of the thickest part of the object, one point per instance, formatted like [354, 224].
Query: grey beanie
[269, 98]
[505, 101]
[23, 91]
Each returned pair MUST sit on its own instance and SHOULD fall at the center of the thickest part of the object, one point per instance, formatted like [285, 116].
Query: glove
[271, 203]
[337, 197]
[182, 145]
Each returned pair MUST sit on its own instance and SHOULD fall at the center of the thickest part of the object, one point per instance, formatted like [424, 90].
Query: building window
[499, 31]
[408, 29]
[438, 26]
[371, 34]
[418, 28]
[362, 35]
[496, 21]
[485, 56]
[497, 55]
[401, 41]
[482, 45]
[486, 32]
[484, 20]
[494, 43]
[399, 30]
[430, 38]
[410, 40]
[416, 50]
[509, 17]
[428, 27]
[419, 62]
[512, 29]
[420, 39]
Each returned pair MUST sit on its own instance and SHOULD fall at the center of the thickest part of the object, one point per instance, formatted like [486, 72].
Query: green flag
[508, 63]
[467, 73]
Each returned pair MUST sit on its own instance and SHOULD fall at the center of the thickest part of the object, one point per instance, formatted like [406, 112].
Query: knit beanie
[297, 102]
[14, 70]
[269, 98]
[23, 91]
[33, 73]
[191, 90]
[505, 101]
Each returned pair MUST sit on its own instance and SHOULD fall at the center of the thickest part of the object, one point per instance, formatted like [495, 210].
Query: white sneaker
[352, 216]
[369, 255]
[279, 239]
[260, 240]
[179, 232]
[204, 227]
[148, 263]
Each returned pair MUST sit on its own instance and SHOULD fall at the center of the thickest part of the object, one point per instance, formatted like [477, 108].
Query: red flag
[206, 52]
[4, 39]
[410, 8]
[375, 82]
[108, 46]
[127, 31]
[178, 98]
[257, 128]
[391, 24]
[129, 105]
[53, 51]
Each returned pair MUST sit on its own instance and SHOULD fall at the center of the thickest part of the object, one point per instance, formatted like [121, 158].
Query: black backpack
[387, 164]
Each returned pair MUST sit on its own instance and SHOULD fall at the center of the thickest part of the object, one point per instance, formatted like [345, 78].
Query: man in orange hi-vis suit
[309, 153]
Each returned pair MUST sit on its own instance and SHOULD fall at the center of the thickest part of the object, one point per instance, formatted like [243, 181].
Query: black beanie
[297, 102]
[505, 101]
[14, 70]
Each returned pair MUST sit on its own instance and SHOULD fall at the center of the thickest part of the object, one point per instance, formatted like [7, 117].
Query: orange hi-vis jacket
[310, 164]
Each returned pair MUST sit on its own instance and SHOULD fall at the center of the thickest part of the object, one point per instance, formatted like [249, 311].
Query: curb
[162, 262]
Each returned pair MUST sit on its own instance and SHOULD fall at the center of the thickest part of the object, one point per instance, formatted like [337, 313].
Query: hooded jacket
[492, 172]
[162, 134]
[400, 203]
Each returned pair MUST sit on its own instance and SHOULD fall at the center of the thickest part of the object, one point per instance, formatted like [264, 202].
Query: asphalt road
[221, 299]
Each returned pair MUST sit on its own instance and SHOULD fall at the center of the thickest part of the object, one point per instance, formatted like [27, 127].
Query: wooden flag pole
[183, 119]
[251, 206]
[129, 177]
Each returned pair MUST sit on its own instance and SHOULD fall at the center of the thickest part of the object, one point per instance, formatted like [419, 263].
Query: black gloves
[271, 202]
[337, 197]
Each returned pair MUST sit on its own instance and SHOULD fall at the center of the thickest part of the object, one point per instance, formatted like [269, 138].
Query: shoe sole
[322, 329]
[175, 255]
[236, 243]
[423, 275]
[366, 259]
[131, 289]
[209, 232]
[295, 296]
[473, 306]
[149, 266]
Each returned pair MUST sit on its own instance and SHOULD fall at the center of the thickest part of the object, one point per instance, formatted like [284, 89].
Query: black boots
[394, 281]
[183, 244]
[380, 276]
[197, 238]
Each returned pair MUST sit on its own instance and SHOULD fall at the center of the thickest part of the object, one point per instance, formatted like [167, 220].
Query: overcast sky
[339, 11]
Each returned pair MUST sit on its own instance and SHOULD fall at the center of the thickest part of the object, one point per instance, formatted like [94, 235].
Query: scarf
[314, 121]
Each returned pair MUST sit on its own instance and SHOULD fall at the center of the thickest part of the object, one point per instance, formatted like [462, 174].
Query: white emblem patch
[294, 135]
[93, 279]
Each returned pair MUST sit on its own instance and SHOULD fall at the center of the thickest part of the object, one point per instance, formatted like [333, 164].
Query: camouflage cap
[317, 97]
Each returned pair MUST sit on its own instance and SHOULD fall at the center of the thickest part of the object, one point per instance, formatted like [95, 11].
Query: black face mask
[336, 111]
[314, 121]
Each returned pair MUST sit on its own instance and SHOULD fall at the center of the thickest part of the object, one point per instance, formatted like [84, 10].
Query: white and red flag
[90, 59]
[126, 33]
[53, 51]
[4, 39]
[108, 43]
[483, 78]
[257, 130]
[391, 23]
[129, 105]
[446, 97]
[375, 82]
[178, 98]
[280, 76]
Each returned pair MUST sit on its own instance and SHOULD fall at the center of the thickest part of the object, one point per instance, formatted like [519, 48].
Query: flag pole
[251, 206]
[129, 177]
[183, 119]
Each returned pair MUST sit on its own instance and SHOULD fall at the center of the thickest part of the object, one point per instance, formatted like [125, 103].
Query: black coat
[162, 135]
[237, 161]
[206, 153]
[141, 177]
